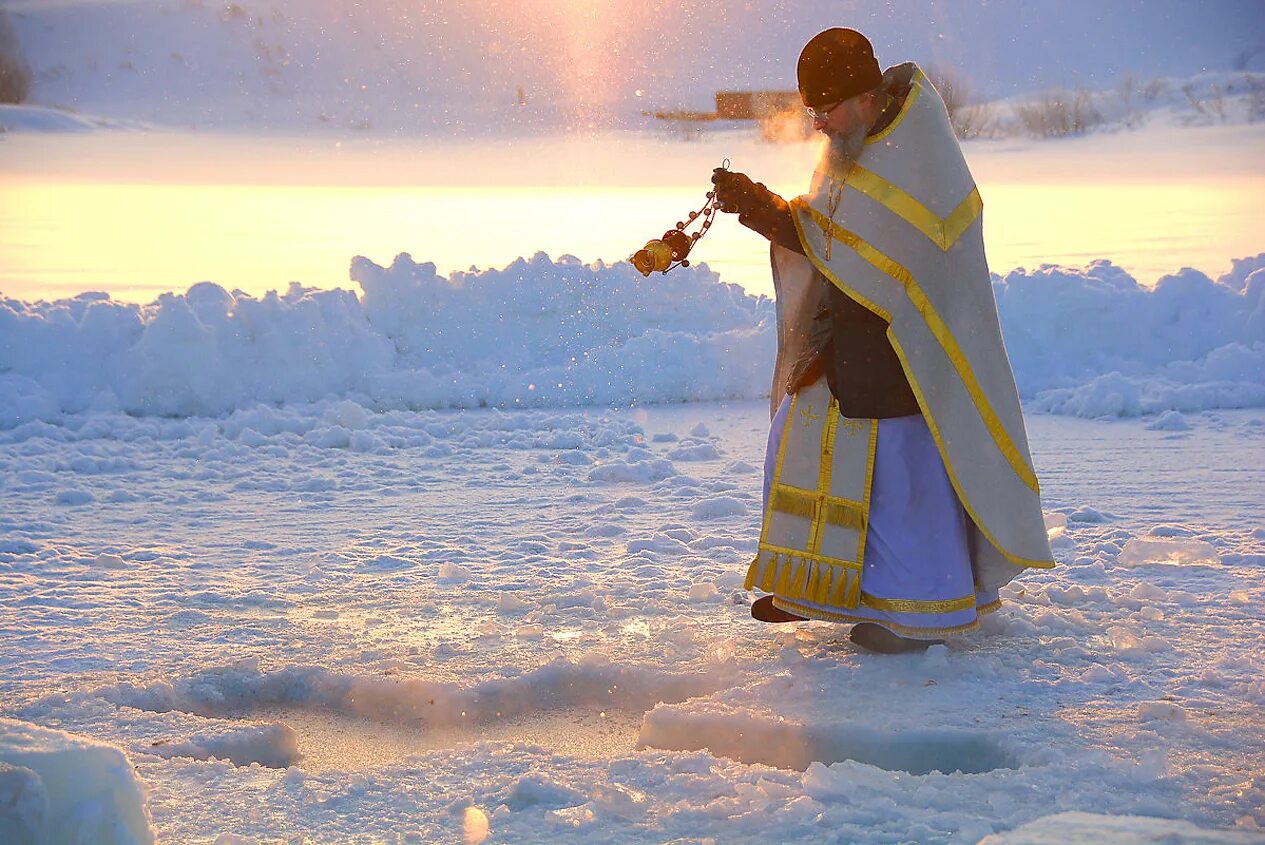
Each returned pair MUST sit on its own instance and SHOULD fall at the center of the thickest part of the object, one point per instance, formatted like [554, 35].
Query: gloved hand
[737, 194]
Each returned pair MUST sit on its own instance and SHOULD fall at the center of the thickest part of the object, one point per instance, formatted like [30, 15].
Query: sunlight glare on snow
[1139, 551]
[475, 826]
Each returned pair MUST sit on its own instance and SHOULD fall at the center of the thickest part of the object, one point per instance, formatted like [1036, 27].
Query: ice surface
[56, 787]
[539, 332]
[233, 575]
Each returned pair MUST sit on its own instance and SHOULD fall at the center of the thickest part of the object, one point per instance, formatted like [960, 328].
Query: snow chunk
[67, 788]
[695, 452]
[453, 573]
[274, 746]
[538, 790]
[703, 591]
[1130, 644]
[1161, 711]
[74, 498]
[719, 507]
[23, 803]
[640, 472]
[1140, 551]
[1169, 421]
[1085, 828]
[109, 561]
[511, 603]
[347, 414]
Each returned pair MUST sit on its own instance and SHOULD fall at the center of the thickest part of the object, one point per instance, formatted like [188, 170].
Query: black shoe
[873, 637]
[764, 610]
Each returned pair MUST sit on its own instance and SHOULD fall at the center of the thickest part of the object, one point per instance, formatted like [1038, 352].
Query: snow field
[466, 575]
[541, 333]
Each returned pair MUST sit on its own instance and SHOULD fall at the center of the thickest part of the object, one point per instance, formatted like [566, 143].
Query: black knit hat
[836, 64]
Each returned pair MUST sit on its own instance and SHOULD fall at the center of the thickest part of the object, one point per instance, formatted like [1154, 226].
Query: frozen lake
[539, 616]
[136, 214]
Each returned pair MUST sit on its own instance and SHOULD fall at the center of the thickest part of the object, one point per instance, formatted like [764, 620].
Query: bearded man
[899, 490]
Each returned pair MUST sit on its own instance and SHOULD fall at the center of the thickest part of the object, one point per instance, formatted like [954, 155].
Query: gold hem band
[791, 606]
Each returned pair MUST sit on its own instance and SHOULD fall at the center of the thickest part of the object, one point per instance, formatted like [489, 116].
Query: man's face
[845, 127]
[844, 119]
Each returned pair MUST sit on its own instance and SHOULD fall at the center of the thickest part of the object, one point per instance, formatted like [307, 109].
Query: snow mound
[1092, 829]
[544, 333]
[56, 787]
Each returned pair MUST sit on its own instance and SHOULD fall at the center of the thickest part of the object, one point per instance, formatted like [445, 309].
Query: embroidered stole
[812, 542]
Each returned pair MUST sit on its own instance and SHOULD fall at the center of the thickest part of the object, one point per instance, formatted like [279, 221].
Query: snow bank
[536, 333]
[56, 787]
[542, 333]
[1093, 342]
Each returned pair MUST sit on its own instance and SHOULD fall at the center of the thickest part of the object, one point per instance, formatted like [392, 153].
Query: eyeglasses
[822, 114]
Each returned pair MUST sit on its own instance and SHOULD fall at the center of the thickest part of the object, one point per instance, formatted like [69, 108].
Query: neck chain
[833, 196]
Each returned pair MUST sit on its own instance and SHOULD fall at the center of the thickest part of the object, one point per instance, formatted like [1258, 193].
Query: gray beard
[837, 157]
[842, 151]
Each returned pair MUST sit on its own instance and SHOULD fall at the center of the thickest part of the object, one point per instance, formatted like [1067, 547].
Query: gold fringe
[845, 516]
[854, 594]
[820, 583]
[817, 581]
[800, 582]
[794, 502]
[803, 503]
[839, 594]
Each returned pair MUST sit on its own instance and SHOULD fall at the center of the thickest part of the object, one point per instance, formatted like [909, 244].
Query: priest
[899, 493]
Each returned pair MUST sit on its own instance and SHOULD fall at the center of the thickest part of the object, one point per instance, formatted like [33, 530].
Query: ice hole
[330, 740]
[749, 738]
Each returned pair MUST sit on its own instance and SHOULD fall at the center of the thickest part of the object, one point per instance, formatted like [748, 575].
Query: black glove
[737, 194]
[758, 208]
